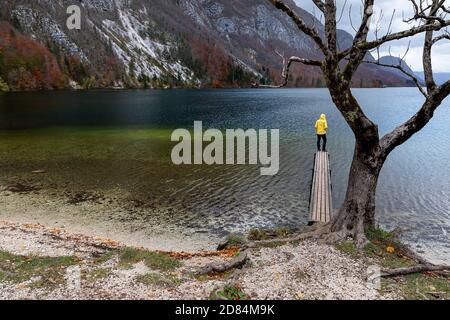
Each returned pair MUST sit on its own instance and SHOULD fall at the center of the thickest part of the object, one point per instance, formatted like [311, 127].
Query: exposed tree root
[412, 270]
[314, 232]
[411, 254]
[237, 262]
[320, 232]
[335, 236]
[323, 233]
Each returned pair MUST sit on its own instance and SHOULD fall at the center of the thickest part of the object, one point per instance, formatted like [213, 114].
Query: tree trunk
[358, 210]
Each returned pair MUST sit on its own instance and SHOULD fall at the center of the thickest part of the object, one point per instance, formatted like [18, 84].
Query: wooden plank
[322, 189]
[327, 213]
[317, 201]
[313, 206]
[326, 186]
[316, 192]
[313, 191]
[313, 188]
[320, 202]
[313, 202]
[319, 189]
[330, 191]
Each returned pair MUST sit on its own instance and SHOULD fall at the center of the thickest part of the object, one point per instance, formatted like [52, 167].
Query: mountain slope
[396, 61]
[439, 77]
[157, 43]
[27, 64]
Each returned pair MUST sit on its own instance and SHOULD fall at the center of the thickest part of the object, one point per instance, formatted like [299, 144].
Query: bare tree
[338, 67]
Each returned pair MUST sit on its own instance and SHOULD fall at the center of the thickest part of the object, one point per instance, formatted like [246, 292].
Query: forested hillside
[159, 43]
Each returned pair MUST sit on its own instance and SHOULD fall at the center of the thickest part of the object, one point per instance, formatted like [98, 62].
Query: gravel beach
[293, 271]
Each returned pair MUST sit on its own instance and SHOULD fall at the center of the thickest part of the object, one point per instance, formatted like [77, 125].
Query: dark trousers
[324, 138]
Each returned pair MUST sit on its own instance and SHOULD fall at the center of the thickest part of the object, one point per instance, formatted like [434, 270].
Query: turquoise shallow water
[99, 140]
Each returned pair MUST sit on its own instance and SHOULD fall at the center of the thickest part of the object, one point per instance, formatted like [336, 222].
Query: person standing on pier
[321, 129]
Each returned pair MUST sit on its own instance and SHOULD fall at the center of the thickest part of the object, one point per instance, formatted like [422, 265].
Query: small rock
[300, 295]
[38, 171]
[222, 244]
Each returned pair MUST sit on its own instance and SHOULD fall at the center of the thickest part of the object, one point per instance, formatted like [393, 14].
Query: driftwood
[411, 270]
[423, 265]
[237, 262]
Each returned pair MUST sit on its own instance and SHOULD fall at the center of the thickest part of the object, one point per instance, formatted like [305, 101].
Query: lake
[117, 142]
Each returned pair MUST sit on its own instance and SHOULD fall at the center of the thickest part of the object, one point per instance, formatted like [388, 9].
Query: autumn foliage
[25, 64]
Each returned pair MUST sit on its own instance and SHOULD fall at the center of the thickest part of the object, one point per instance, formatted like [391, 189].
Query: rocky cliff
[158, 43]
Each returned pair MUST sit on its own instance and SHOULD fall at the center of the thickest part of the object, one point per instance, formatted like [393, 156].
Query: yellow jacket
[322, 125]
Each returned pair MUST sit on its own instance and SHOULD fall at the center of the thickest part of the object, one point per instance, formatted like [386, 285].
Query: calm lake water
[104, 140]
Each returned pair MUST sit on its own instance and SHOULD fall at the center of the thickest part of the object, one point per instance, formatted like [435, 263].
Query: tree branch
[435, 95]
[427, 63]
[362, 45]
[287, 66]
[441, 37]
[301, 24]
[420, 12]
[330, 26]
[319, 4]
[405, 131]
[235, 263]
[363, 30]
[399, 67]
[411, 270]
[357, 55]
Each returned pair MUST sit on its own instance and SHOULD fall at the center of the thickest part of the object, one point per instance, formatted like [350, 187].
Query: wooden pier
[321, 206]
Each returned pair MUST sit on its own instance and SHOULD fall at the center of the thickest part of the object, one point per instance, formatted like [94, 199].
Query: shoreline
[115, 216]
[66, 266]
[182, 88]
[268, 276]
[94, 218]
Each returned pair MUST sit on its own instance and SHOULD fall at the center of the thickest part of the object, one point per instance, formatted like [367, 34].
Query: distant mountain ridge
[396, 61]
[439, 77]
[160, 43]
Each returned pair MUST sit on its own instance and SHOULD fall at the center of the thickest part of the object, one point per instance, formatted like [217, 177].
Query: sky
[403, 8]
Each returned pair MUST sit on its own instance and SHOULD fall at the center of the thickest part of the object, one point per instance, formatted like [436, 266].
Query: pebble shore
[302, 271]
